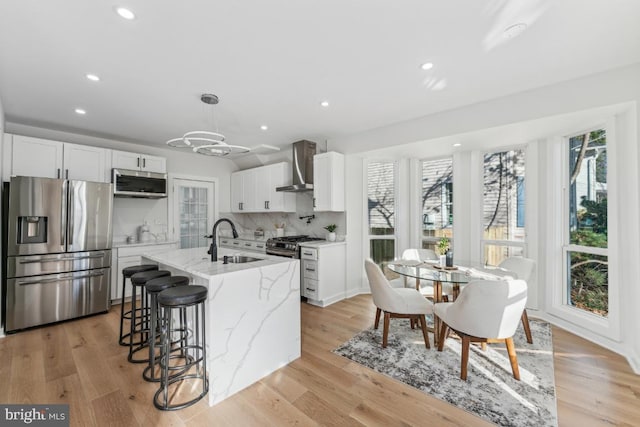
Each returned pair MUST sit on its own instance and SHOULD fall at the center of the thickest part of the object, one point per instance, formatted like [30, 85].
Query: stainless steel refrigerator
[57, 250]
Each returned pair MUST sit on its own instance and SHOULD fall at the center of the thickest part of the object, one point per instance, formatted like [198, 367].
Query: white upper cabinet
[85, 163]
[137, 161]
[328, 182]
[243, 191]
[268, 179]
[254, 190]
[54, 159]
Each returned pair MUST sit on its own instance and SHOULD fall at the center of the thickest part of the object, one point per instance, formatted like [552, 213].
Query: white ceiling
[272, 62]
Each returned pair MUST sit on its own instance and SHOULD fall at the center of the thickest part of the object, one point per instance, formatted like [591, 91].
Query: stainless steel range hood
[303, 152]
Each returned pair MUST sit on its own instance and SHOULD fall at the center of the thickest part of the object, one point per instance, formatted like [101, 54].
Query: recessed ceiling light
[514, 30]
[93, 77]
[427, 66]
[81, 111]
[324, 104]
[125, 13]
[457, 144]
[264, 127]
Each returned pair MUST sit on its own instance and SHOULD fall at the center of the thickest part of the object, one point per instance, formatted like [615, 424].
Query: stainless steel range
[288, 246]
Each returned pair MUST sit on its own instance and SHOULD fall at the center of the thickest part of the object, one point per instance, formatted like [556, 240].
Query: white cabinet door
[263, 196]
[36, 157]
[153, 164]
[124, 262]
[84, 162]
[236, 192]
[328, 182]
[249, 190]
[279, 176]
[125, 160]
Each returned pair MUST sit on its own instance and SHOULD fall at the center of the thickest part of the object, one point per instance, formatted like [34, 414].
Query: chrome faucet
[213, 248]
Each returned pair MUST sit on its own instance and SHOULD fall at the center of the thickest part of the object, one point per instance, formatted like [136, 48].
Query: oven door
[282, 252]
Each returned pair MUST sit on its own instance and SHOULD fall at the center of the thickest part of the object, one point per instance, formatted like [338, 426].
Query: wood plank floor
[80, 363]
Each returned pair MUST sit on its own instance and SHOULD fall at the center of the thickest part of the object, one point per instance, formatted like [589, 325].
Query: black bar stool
[195, 367]
[140, 324]
[126, 274]
[154, 287]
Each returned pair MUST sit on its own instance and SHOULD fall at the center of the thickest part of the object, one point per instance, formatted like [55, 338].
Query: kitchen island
[253, 314]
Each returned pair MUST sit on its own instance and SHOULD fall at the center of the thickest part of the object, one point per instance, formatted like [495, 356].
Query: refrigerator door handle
[37, 261]
[70, 214]
[60, 279]
[63, 214]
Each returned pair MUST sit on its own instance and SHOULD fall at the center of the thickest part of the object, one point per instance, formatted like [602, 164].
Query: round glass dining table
[432, 272]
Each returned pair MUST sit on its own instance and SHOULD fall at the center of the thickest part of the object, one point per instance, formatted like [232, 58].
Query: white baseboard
[357, 291]
[634, 362]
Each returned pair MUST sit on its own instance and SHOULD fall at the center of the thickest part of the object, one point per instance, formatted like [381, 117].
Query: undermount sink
[239, 259]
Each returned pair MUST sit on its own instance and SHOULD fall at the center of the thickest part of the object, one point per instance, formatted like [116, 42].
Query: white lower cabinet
[129, 256]
[323, 273]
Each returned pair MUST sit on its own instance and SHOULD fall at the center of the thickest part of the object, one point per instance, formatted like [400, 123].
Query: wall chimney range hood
[303, 152]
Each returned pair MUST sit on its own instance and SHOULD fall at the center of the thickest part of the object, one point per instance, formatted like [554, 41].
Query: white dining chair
[396, 303]
[487, 311]
[522, 269]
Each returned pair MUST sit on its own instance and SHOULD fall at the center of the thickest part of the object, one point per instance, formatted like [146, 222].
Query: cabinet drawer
[310, 269]
[310, 288]
[308, 253]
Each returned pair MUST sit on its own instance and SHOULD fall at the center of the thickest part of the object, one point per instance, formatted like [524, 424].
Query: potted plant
[442, 248]
[331, 228]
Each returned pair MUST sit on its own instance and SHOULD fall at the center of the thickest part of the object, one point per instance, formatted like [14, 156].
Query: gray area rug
[490, 391]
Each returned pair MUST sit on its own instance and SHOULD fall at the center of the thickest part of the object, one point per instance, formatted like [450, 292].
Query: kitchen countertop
[197, 262]
[323, 243]
[132, 245]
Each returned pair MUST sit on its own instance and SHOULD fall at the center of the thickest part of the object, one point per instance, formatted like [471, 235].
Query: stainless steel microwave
[131, 183]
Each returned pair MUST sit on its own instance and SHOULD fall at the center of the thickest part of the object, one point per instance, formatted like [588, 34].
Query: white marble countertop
[196, 261]
[151, 243]
[323, 243]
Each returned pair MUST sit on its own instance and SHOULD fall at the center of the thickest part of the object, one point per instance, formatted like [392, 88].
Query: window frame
[366, 229]
[443, 202]
[496, 242]
[608, 327]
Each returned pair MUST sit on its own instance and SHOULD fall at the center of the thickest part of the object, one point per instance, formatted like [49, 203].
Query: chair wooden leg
[412, 320]
[443, 335]
[466, 340]
[525, 325]
[512, 358]
[375, 325]
[385, 332]
[425, 334]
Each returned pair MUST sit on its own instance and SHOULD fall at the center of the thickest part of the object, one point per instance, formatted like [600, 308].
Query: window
[504, 204]
[437, 201]
[381, 210]
[586, 254]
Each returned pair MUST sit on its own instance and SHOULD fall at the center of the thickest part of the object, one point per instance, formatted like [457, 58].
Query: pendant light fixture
[206, 142]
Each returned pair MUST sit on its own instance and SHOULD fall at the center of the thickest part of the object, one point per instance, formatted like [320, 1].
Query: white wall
[532, 118]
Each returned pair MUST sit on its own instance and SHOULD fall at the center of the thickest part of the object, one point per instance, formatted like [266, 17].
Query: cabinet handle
[268, 205]
[240, 206]
[66, 174]
[310, 269]
[311, 289]
[138, 161]
[307, 253]
[58, 173]
[144, 162]
[314, 202]
[247, 244]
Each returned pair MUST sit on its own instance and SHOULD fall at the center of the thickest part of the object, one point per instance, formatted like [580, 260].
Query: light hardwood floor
[80, 363]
